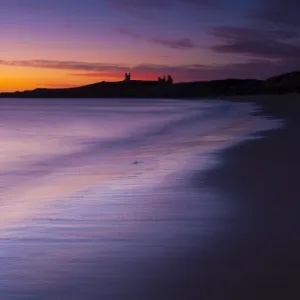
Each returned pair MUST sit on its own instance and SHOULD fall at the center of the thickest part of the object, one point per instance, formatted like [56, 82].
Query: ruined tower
[127, 77]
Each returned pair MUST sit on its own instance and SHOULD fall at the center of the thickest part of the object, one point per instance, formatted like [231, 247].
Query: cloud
[112, 74]
[64, 65]
[117, 75]
[140, 4]
[229, 32]
[184, 43]
[146, 9]
[279, 13]
[269, 41]
[102, 69]
[257, 43]
[253, 68]
[181, 43]
[268, 49]
[56, 85]
[202, 3]
[141, 8]
[157, 4]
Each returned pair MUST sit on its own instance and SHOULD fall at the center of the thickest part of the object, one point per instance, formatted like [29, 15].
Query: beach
[200, 202]
[259, 257]
[149, 150]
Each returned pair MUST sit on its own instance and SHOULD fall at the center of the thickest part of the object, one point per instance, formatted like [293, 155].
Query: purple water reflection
[93, 192]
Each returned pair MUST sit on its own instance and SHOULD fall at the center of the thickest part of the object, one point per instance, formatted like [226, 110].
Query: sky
[65, 43]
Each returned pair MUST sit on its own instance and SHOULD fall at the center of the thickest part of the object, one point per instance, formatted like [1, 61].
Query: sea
[96, 200]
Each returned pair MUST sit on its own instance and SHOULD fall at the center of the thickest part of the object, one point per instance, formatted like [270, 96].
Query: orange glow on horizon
[29, 78]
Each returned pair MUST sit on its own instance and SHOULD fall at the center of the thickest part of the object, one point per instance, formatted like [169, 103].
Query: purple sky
[73, 42]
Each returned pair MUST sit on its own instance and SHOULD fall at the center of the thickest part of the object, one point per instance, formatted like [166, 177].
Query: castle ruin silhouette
[163, 80]
[127, 77]
[168, 80]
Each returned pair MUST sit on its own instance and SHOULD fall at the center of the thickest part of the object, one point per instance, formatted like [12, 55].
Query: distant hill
[285, 83]
[289, 82]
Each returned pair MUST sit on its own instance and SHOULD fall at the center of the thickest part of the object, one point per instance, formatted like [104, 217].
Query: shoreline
[260, 177]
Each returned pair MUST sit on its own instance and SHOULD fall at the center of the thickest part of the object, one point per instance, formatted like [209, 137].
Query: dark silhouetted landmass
[286, 83]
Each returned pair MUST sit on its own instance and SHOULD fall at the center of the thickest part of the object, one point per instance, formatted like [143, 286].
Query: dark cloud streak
[63, 65]
[279, 13]
[271, 33]
[254, 42]
[158, 4]
[180, 43]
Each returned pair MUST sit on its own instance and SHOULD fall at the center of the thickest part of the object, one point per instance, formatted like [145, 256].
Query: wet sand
[256, 256]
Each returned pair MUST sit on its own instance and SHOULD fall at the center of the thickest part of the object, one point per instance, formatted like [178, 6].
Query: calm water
[95, 199]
